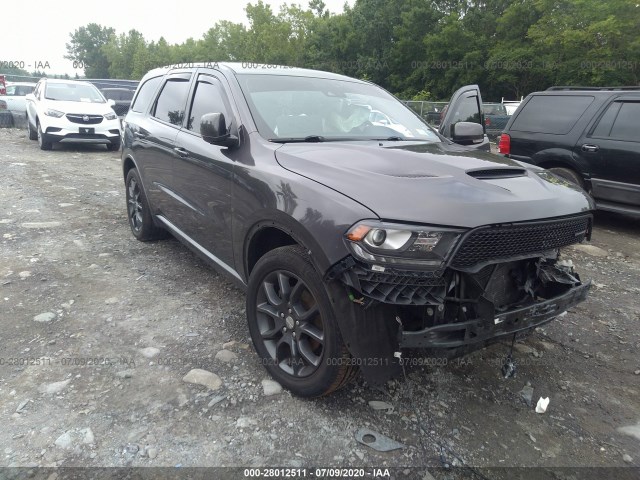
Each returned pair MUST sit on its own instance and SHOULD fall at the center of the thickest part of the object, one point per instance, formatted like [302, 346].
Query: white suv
[69, 111]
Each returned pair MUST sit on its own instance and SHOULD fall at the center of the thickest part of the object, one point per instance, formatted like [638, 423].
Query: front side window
[170, 105]
[208, 98]
[296, 107]
[468, 110]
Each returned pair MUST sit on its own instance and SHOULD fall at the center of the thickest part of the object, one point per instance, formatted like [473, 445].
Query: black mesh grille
[487, 244]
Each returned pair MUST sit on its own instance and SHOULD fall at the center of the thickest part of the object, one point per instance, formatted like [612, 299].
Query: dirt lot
[98, 330]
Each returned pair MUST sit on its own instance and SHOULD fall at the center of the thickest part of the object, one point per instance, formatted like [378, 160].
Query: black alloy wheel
[293, 324]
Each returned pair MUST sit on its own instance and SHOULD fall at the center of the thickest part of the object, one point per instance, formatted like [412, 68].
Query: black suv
[352, 240]
[121, 97]
[590, 136]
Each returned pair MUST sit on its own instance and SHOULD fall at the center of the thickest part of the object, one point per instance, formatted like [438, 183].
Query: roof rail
[594, 88]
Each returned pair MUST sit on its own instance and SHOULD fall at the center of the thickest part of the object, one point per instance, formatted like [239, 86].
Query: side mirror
[30, 96]
[467, 133]
[111, 102]
[213, 129]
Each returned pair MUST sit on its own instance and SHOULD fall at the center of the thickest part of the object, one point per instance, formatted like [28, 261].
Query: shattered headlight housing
[406, 245]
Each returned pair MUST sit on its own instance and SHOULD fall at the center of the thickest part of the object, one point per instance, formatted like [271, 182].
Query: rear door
[153, 141]
[203, 173]
[612, 148]
[465, 106]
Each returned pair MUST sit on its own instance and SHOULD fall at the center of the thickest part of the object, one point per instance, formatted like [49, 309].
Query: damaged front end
[459, 290]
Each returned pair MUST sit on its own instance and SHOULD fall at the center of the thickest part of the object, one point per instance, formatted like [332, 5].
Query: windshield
[73, 92]
[318, 109]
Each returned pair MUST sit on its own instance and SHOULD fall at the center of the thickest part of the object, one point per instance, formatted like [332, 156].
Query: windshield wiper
[391, 139]
[309, 138]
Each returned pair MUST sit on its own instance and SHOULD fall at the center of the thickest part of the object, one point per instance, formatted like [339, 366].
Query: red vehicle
[3, 88]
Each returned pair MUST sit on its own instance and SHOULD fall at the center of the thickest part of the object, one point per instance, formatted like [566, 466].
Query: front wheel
[293, 325]
[32, 132]
[43, 141]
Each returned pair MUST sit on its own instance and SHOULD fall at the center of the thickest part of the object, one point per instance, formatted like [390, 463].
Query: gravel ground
[97, 333]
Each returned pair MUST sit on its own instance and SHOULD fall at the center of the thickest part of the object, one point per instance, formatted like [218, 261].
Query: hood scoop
[497, 173]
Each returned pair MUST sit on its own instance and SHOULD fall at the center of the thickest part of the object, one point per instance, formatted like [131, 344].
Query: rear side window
[170, 105]
[626, 125]
[145, 94]
[208, 98]
[554, 114]
[603, 129]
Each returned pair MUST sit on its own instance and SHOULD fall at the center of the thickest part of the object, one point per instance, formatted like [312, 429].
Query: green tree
[86, 48]
[120, 52]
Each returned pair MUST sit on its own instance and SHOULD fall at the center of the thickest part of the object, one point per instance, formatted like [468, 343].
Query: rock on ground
[45, 317]
[271, 387]
[203, 377]
[226, 356]
[55, 387]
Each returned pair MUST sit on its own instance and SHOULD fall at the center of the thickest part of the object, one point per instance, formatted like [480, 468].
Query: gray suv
[353, 240]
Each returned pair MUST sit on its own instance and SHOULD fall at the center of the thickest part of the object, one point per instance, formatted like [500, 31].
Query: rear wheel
[293, 325]
[138, 211]
[568, 174]
[114, 146]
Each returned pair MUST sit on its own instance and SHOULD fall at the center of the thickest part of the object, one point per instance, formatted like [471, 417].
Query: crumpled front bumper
[460, 334]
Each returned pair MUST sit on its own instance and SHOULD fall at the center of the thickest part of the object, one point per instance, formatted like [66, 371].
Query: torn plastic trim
[459, 334]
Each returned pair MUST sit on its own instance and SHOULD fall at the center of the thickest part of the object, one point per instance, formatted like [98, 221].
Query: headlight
[408, 245]
[110, 116]
[53, 113]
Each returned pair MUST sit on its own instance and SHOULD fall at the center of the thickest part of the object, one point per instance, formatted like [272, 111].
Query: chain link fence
[431, 112]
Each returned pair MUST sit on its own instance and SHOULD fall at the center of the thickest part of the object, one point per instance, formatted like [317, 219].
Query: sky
[38, 38]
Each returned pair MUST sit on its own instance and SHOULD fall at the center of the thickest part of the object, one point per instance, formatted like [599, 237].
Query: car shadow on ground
[617, 222]
[80, 148]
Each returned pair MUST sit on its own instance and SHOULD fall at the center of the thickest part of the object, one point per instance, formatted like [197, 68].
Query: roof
[250, 68]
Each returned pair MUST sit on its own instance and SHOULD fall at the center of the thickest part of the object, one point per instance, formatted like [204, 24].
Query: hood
[434, 183]
[79, 107]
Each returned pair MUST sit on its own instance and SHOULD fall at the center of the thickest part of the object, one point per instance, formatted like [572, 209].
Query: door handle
[181, 151]
[590, 148]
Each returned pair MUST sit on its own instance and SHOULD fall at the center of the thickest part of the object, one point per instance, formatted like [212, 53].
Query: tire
[568, 174]
[293, 325]
[138, 211]
[31, 131]
[44, 143]
[114, 146]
